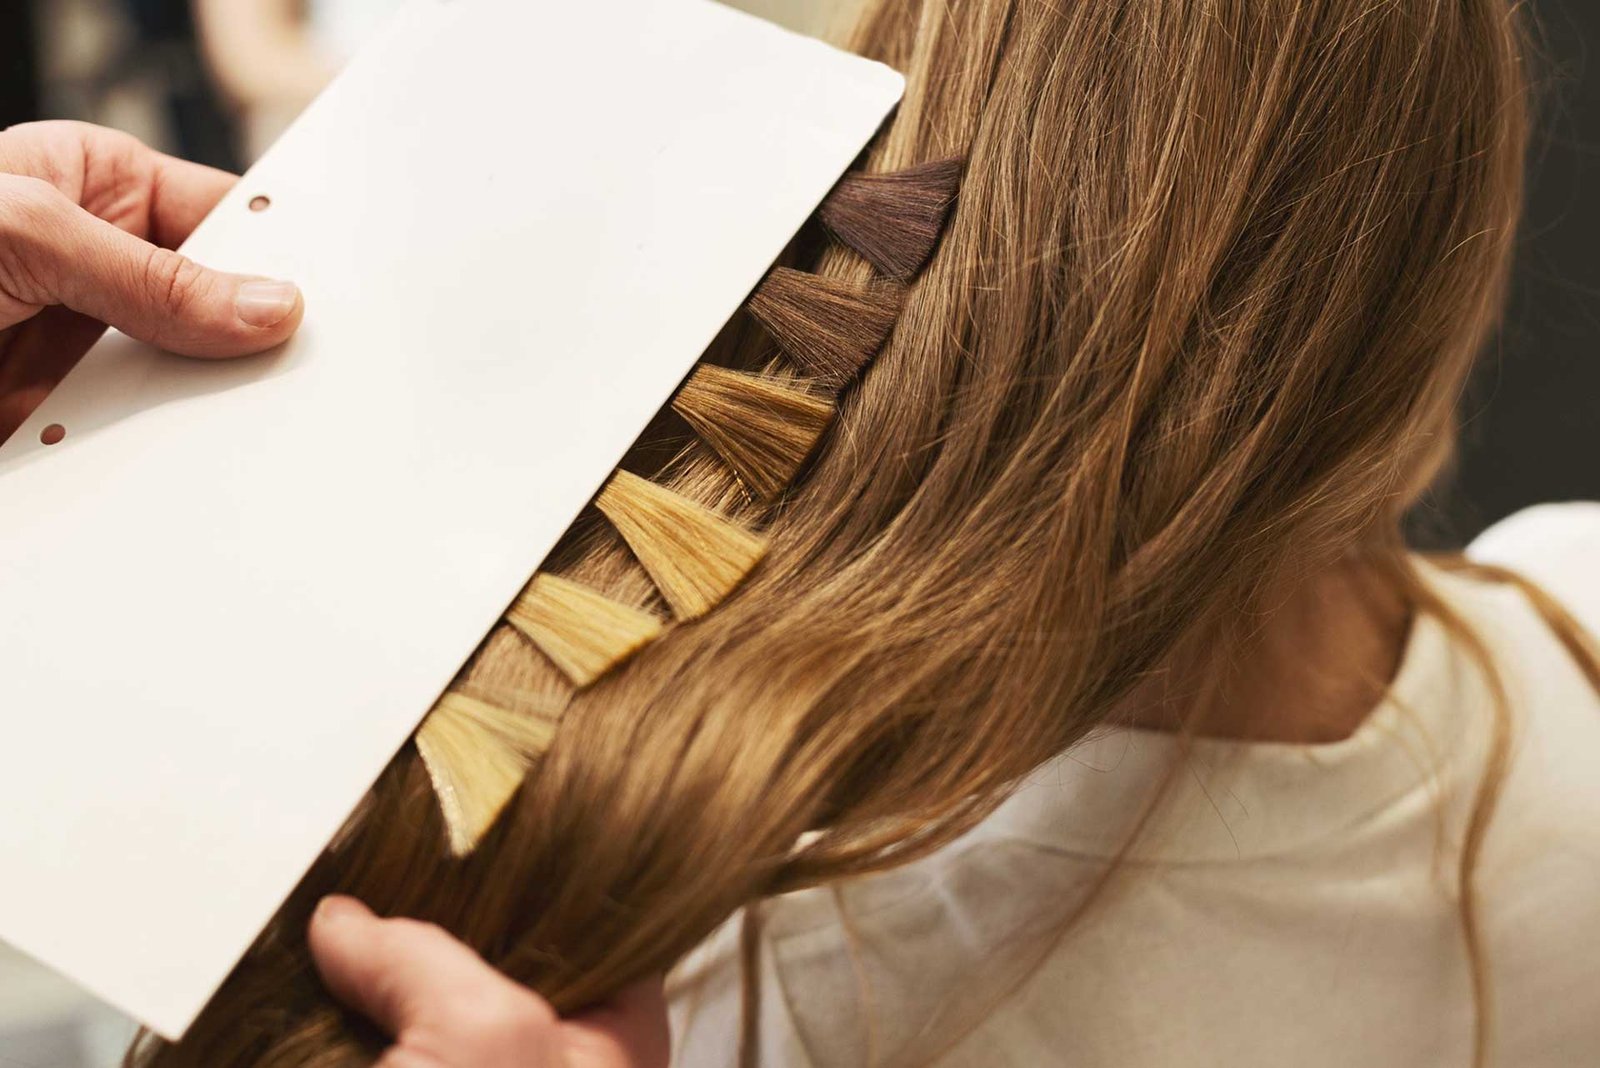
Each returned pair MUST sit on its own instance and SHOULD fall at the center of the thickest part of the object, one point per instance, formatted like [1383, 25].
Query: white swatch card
[234, 589]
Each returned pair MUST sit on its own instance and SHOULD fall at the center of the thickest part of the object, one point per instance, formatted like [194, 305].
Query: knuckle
[174, 282]
[67, 141]
[49, 130]
[76, 133]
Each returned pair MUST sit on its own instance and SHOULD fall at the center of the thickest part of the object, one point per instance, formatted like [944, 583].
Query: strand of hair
[763, 428]
[895, 220]
[695, 556]
[477, 755]
[830, 328]
[584, 633]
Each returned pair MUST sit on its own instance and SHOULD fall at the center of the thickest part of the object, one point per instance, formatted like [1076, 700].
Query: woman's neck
[1320, 662]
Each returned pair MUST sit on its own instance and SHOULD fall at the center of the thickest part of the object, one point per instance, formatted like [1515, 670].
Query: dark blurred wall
[1533, 417]
[169, 41]
[19, 69]
[159, 57]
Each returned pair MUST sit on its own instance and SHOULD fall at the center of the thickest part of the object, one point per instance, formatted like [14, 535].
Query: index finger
[181, 195]
[101, 168]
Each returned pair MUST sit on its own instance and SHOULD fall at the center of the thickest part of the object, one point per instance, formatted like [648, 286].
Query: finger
[64, 255]
[114, 168]
[382, 970]
[631, 1031]
[181, 195]
[401, 974]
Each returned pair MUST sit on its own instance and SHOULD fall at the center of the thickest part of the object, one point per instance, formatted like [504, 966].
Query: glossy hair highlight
[1200, 321]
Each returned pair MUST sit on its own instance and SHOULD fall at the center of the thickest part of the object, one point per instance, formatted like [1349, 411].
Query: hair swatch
[762, 428]
[584, 633]
[477, 755]
[828, 327]
[894, 220]
[695, 556]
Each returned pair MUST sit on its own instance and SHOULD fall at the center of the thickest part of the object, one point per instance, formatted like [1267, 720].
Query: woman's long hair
[1201, 319]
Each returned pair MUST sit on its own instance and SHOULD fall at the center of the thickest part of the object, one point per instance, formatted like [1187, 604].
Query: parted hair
[1200, 319]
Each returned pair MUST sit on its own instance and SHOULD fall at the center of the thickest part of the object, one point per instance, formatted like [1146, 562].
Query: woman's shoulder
[1565, 529]
[1555, 545]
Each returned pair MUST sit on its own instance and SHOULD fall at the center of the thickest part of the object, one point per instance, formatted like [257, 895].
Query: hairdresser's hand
[446, 1008]
[87, 221]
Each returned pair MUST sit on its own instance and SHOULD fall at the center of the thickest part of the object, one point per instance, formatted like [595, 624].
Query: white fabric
[1296, 907]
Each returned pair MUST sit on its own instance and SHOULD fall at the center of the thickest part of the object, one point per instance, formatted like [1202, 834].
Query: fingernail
[263, 304]
[338, 909]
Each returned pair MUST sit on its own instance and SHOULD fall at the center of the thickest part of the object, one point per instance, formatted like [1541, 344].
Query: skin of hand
[88, 222]
[445, 1008]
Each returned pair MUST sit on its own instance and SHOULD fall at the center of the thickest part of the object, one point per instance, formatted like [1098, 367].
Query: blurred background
[218, 80]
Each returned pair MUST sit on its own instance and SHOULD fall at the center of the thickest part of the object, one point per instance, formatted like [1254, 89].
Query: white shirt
[1292, 906]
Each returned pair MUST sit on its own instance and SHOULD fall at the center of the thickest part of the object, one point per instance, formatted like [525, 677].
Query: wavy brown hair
[1200, 321]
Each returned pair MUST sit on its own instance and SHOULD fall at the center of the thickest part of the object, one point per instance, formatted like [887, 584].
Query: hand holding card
[200, 576]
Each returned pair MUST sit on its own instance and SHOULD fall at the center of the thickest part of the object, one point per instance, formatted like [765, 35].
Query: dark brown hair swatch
[894, 220]
[830, 328]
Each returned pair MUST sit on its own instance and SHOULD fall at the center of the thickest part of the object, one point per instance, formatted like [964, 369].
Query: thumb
[402, 974]
[150, 293]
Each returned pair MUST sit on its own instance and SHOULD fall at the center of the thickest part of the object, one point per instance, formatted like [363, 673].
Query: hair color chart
[209, 658]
